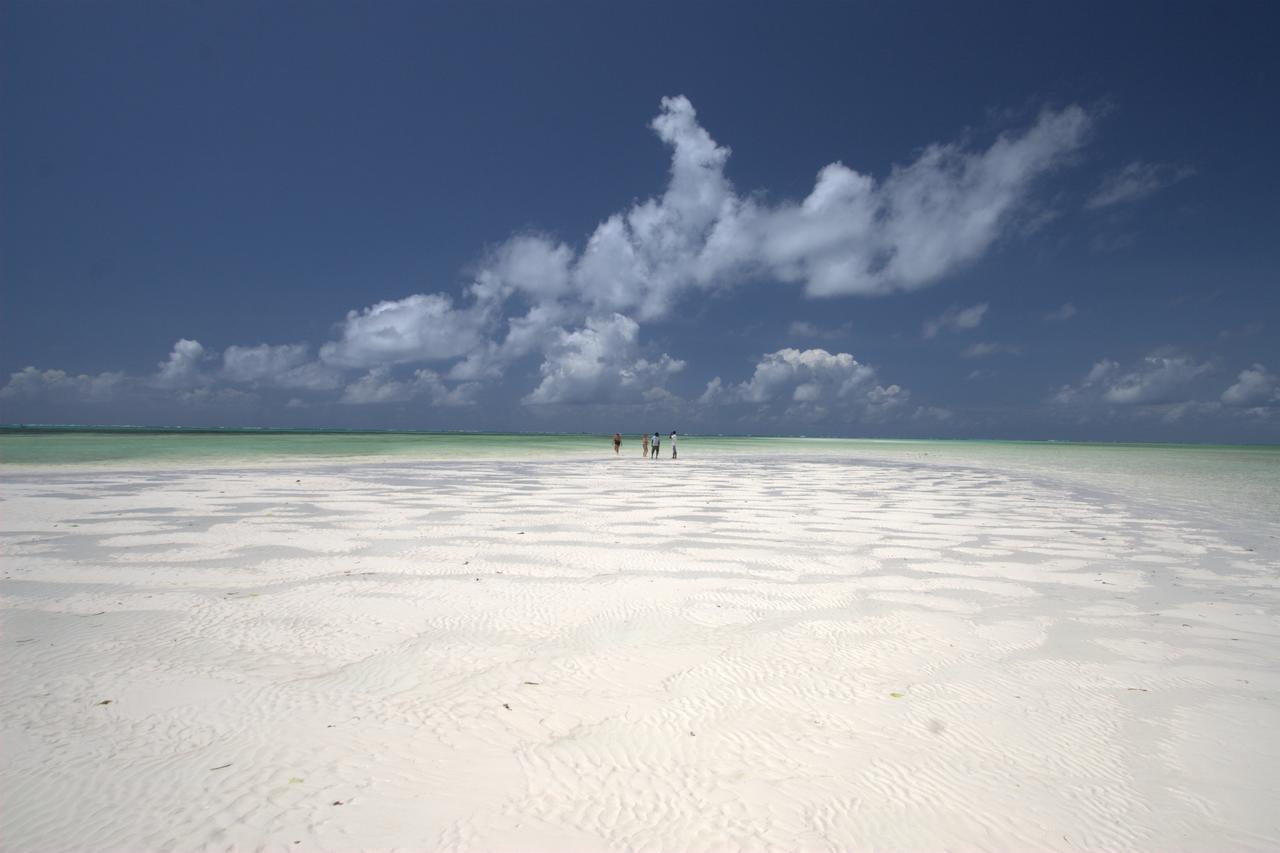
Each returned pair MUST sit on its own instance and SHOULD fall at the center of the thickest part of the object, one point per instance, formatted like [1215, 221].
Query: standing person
[654, 445]
[673, 444]
[617, 443]
[644, 446]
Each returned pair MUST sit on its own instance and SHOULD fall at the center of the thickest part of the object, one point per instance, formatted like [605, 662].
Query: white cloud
[534, 265]
[283, 366]
[1087, 388]
[956, 319]
[804, 375]
[378, 386]
[1101, 370]
[986, 348]
[1255, 386]
[1062, 314]
[539, 328]
[640, 260]
[182, 368]
[1136, 181]
[422, 327]
[810, 382]
[1157, 379]
[30, 383]
[852, 234]
[922, 222]
[601, 363]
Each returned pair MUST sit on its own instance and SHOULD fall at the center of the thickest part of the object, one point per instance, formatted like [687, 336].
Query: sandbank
[713, 654]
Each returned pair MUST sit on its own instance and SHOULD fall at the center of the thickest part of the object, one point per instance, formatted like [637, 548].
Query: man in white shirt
[673, 444]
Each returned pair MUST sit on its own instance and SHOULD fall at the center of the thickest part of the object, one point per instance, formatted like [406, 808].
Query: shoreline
[1258, 523]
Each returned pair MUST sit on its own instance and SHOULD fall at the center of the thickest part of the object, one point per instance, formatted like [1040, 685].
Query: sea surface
[1231, 483]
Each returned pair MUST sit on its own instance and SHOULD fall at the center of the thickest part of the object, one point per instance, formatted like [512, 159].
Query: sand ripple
[631, 656]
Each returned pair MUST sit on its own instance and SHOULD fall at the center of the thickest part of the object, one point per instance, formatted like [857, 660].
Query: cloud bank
[579, 309]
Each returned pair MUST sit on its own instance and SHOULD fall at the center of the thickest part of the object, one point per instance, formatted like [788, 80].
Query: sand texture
[619, 655]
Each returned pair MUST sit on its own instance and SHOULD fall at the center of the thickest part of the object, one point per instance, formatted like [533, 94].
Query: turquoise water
[1240, 481]
[124, 445]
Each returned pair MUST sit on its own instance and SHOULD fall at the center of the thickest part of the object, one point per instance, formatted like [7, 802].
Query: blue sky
[969, 220]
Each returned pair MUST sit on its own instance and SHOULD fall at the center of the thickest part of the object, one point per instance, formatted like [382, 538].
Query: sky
[968, 220]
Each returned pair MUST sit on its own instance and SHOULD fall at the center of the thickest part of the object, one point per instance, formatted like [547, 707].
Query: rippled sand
[628, 655]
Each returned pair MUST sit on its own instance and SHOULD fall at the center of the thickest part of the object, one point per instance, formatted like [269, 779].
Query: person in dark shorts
[617, 443]
[654, 444]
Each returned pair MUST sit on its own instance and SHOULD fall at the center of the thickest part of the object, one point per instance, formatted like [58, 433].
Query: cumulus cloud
[854, 235]
[1062, 314]
[536, 330]
[851, 235]
[530, 264]
[182, 368]
[639, 261]
[422, 327]
[1136, 181]
[1156, 379]
[578, 307]
[805, 375]
[601, 362]
[1255, 386]
[378, 386]
[31, 383]
[810, 382]
[283, 366]
[955, 319]
[1100, 371]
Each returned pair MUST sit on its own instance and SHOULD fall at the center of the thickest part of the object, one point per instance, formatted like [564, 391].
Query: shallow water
[1237, 485]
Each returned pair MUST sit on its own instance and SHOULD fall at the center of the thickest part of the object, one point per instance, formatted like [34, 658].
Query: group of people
[648, 446]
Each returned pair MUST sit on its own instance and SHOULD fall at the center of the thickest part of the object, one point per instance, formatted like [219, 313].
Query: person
[654, 445]
[617, 443]
[644, 445]
[673, 444]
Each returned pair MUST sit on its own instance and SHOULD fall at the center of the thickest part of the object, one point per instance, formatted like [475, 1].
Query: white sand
[621, 655]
